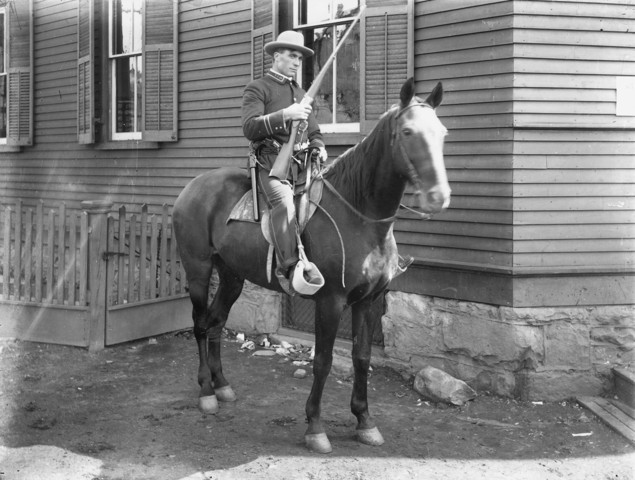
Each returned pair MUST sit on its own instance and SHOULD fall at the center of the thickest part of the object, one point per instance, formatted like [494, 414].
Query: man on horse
[270, 104]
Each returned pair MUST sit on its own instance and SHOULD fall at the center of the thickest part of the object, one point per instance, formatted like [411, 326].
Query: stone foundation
[527, 353]
[257, 311]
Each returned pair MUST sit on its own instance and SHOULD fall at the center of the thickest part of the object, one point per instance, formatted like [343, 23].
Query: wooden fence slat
[132, 259]
[121, 250]
[50, 281]
[154, 233]
[28, 253]
[182, 278]
[163, 257]
[72, 257]
[6, 269]
[110, 266]
[143, 256]
[61, 253]
[17, 250]
[39, 249]
[83, 260]
[173, 262]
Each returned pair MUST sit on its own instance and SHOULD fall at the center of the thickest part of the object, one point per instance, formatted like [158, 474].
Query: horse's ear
[407, 92]
[436, 97]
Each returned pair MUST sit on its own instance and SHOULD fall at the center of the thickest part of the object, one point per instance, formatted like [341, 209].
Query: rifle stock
[281, 165]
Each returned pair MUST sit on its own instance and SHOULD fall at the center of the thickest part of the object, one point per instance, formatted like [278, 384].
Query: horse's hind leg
[199, 272]
[208, 326]
[363, 327]
[229, 289]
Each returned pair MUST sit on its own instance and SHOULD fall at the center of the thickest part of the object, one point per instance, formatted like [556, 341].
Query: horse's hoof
[318, 442]
[370, 436]
[225, 394]
[208, 404]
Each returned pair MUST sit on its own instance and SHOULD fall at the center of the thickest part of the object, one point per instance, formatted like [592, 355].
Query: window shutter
[262, 32]
[85, 84]
[19, 74]
[387, 47]
[160, 71]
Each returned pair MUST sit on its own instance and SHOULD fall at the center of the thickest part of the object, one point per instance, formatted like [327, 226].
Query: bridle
[413, 176]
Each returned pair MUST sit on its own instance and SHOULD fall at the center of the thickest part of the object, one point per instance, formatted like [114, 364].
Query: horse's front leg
[327, 318]
[363, 328]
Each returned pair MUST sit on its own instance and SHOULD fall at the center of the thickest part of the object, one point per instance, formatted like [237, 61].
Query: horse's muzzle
[434, 200]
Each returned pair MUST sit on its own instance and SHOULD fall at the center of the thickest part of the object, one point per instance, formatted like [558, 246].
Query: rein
[413, 177]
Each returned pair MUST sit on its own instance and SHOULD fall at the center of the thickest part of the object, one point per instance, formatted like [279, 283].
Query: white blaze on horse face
[424, 146]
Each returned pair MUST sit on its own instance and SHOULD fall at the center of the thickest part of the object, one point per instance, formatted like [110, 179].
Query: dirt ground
[130, 412]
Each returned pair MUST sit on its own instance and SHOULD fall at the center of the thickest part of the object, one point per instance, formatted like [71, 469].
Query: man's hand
[297, 111]
[320, 154]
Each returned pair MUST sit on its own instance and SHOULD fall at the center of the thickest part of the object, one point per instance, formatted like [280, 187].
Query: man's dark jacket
[263, 102]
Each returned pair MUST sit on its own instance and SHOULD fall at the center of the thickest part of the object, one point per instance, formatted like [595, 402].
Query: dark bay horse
[349, 238]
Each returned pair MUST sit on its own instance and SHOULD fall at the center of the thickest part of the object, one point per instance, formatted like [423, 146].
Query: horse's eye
[406, 132]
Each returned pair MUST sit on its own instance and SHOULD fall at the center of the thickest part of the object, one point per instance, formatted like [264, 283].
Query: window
[127, 92]
[323, 23]
[371, 67]
[3, 78]
[126, 65]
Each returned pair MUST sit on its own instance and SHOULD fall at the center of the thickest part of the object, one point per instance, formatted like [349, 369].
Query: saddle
[306, 196]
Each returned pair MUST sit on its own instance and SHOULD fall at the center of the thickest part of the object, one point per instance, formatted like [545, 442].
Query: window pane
[128, 107]
[317, 12]
[346, 8]
[126, 26]
[337, 100]
[323, 47]
[312, 12]
[347, 80]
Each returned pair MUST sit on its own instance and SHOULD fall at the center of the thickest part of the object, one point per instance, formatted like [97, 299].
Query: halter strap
[412, 172]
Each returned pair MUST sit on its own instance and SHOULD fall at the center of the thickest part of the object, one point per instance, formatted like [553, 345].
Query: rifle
[280, 167]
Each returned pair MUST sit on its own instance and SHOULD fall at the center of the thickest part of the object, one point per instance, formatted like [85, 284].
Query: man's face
[287, 62]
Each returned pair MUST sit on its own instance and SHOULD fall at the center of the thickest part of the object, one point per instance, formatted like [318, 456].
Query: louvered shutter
[262, 32]
[160, 71]
[387, 56]
[20, 74]
[85, 61]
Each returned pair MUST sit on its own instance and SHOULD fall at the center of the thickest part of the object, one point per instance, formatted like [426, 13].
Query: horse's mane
[353, 172]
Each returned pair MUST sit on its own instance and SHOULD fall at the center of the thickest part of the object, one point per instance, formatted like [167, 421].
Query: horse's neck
[387, 186]
[365, 175]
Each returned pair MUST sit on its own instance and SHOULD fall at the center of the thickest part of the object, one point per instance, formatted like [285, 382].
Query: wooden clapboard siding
[574, 204]
[591, 201]
[567, 56]
[214, 67]
[468, 46]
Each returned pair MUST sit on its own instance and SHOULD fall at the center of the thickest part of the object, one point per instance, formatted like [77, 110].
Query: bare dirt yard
[130, 412]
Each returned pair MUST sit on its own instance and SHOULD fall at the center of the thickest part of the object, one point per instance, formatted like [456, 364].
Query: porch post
[97, 278]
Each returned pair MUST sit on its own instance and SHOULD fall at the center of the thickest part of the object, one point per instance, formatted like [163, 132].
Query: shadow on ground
[130, 412]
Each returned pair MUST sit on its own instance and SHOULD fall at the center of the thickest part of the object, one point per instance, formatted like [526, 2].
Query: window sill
[4, 148]
[342, 138]
[127, 145]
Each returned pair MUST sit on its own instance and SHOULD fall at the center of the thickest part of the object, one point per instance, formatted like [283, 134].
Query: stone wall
[528, 353]
[256, 311]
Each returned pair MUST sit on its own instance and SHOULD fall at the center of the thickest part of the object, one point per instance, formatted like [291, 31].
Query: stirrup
[306, 278]
[403, 263]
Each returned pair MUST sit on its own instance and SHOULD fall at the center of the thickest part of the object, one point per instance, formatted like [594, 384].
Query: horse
[349, 238]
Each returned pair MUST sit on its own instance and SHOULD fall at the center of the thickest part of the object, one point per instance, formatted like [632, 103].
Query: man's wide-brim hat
[289, 39]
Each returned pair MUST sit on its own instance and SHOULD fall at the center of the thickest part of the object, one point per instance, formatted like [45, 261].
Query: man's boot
[283, 233]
